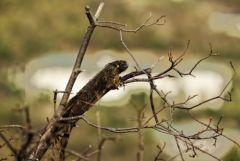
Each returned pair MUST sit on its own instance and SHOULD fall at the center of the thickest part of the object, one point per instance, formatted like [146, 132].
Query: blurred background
[39, 41]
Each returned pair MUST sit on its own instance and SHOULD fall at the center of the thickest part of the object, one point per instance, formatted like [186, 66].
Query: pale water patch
[206, 84]
[42, 76]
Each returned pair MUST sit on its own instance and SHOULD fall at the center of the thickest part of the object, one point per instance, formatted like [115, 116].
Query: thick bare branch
[81, 53]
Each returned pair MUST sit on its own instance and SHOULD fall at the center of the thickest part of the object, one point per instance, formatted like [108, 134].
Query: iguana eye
[122, 65]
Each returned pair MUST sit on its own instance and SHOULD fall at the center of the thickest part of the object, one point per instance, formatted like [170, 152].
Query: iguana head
[120, 64]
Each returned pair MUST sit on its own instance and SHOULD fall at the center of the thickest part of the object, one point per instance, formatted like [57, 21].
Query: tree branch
[81, 53]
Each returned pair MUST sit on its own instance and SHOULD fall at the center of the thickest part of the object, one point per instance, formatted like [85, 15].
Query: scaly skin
[105, 80]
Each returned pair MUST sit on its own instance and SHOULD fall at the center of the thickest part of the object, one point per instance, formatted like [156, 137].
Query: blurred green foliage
[232, 155]
[30, 28]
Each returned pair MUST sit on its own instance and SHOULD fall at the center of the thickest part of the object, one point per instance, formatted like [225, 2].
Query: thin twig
[152, 88]
[140, 116]
[13, 127]
[159, 152]
[78, 155]
[22, 154]
[99, 10]
[129, 52]
[101, 144]
[179, 149]
[159, 21]
[9, 145]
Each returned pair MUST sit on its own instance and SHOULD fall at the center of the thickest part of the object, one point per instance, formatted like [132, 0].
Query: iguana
[106, 80]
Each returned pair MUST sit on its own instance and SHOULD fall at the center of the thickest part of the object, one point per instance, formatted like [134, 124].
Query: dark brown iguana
[106, 80]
